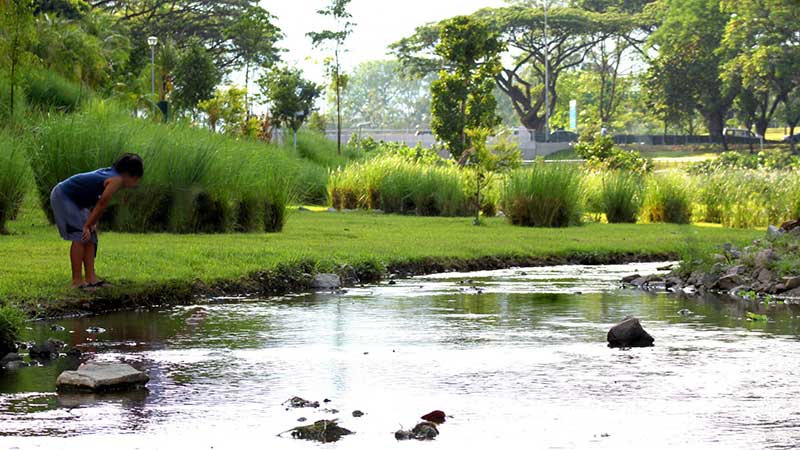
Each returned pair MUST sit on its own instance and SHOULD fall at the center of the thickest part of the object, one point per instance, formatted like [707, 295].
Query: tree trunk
[338, 104]
[715, 122]
[247, 87]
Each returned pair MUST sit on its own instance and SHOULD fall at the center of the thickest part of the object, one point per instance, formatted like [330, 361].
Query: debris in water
[95, 330]
[320, 431]
[423, 431]
[297, 402]
[358, 413]
[436, 416]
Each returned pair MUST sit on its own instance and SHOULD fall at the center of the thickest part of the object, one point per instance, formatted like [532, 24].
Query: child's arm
[112, 185]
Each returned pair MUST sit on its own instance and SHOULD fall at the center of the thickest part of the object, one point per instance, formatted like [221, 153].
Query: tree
[228, 107]
[338, 11]
[196, 76]
[665, 89]
[688, 42]
[572, 32]
[377, 94]
[255, 39]
[16, 34]
[183, 21]
[290, 96]
[461, 97]
[763, 41]
[791, 114]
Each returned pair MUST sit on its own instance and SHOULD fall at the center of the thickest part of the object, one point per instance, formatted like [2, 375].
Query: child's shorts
[70, 218]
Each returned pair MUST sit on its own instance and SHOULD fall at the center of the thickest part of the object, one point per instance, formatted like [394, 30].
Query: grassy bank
[35, 268]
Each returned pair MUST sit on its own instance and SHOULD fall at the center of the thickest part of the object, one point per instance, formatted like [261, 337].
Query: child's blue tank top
[85, 189]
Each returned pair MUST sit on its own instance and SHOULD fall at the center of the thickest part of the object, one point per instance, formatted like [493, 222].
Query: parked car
[740, 133]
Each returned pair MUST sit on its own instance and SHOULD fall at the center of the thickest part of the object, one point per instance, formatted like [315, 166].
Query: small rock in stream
[358, 413]
[320, 431]
[423, 431]
[46, 350]
[685, 312]
[57, 328]
[435, 416]
[95, 330]
[298, 402]
[629, 333]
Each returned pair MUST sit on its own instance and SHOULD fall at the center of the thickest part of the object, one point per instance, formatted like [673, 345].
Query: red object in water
[436, 417]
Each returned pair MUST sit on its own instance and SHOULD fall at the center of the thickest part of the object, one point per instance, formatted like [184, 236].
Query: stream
[517, 358]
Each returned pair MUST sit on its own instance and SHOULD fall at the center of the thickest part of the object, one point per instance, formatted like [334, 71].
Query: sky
[378, 24]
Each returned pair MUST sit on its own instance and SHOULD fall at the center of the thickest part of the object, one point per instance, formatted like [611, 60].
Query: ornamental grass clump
[621, 196]
[196, 181]
[398, 185]
[13, 179]
[748, 198]
[48, 91]
[545, 195]
[668, 198]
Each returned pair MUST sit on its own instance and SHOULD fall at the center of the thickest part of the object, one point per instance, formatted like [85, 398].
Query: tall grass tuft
[621, 196]
[196, 181]
[668, 199]
[48, 90]
[14, 177]
[546, 195]
[399, 185]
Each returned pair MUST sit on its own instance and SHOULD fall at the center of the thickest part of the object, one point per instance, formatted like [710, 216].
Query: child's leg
[76, 253]
[88, 263]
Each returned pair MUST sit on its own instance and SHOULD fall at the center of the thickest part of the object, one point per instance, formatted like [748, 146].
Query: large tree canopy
[210, 22]
[572, 33]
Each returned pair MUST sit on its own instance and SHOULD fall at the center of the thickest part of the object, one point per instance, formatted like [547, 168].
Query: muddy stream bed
[517, 358]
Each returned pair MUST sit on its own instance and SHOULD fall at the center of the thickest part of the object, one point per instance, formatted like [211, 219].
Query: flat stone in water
[98, 377]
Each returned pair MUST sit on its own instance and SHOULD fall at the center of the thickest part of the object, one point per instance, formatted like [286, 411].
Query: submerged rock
[320, 431]
[629, 333]
[10, 360]
[46, 350]
[326, 282]
[99, 377]
[299, 402]
[423, 431]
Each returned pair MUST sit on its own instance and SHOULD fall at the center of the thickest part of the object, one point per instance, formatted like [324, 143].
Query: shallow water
[517, 357]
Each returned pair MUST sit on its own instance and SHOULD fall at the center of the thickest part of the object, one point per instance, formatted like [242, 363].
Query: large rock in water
[629, 333]
[101, 377]
[326, 282]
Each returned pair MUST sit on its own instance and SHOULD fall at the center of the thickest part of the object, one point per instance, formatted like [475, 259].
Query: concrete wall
[528, 147]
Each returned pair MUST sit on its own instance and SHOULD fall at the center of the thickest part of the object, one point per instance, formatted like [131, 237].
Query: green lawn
[35, 264]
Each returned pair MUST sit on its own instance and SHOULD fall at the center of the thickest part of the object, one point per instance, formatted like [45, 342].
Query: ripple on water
[521, 363]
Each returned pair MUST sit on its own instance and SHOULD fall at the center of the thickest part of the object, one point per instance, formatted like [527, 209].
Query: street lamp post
[546, 80]
[152, 41]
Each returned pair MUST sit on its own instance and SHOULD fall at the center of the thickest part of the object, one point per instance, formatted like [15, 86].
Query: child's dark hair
[130, 164]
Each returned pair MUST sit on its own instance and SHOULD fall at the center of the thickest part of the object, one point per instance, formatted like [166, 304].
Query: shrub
[621, 196]
[13, 179]
[546, 195]
[668, 199]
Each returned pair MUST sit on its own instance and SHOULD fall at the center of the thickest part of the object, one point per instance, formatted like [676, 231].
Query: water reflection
[512, 355]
